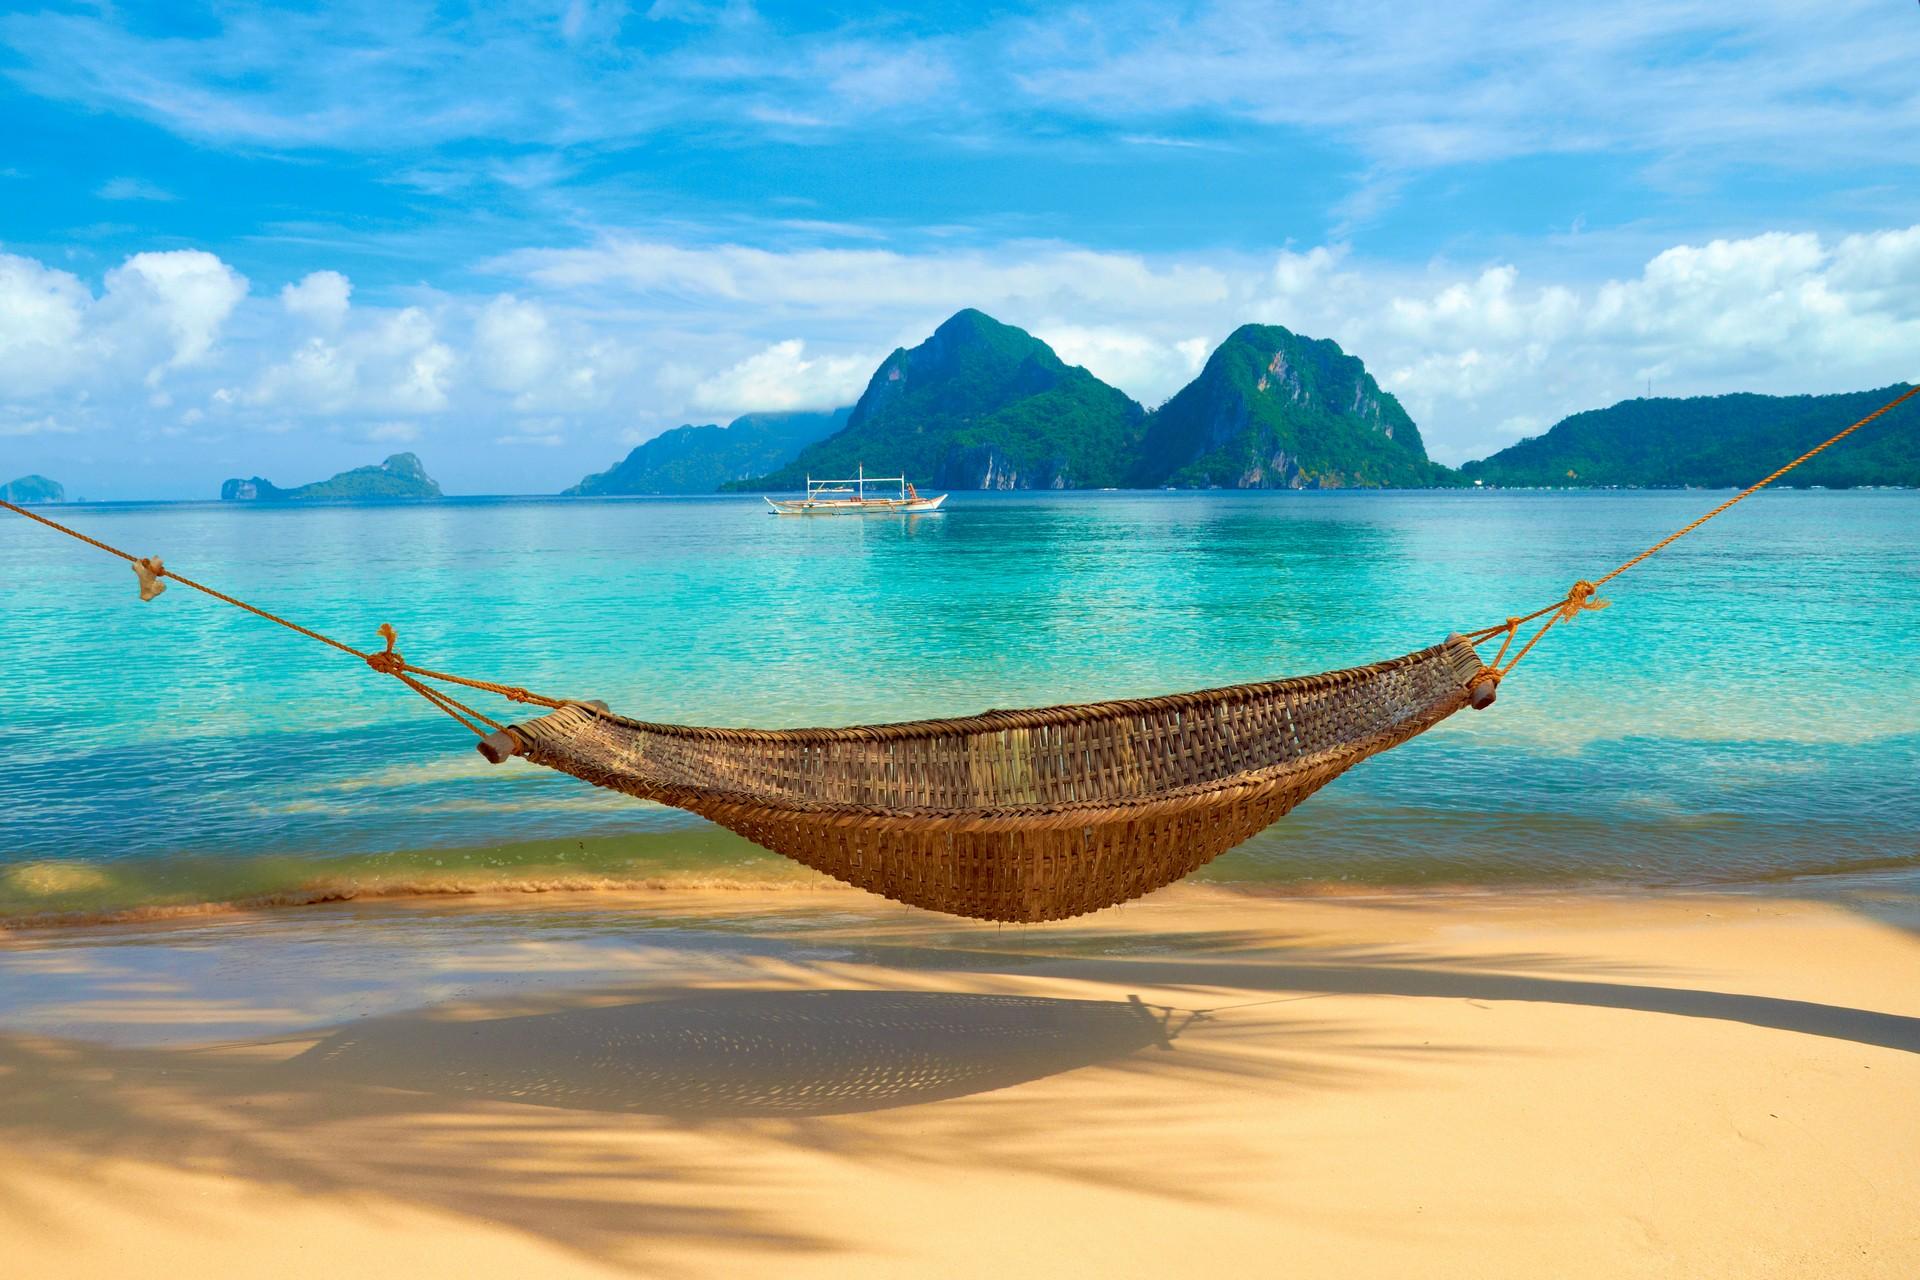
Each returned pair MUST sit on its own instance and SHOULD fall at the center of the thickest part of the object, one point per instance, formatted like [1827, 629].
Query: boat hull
[855, 507]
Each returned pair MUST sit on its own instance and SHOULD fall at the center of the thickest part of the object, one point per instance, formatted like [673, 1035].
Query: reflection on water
[1745, 710]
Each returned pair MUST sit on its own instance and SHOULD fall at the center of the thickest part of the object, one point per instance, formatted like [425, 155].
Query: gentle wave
[1382, 854]
[354, 891]
[38, 892]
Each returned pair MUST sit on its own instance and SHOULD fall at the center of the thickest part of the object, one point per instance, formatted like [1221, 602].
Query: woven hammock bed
[1018, 815]
[1009, 815]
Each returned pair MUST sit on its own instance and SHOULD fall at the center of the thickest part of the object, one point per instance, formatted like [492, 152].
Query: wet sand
[726, 1084]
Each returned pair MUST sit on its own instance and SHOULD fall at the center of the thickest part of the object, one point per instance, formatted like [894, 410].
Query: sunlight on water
[1746, 709]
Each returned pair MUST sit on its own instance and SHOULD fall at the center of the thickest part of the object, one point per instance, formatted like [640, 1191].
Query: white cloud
[320, 298]
[1486, 80]
[876, 76]
[373, 80]
[1680, 82]
[513, 344]
[43, 321]
[1164, 140]
[133, 189]
[782, 377]
[158, 312]
[1128, 358]
[537, 439]
[178, 300]
[43, 425]
[392, 433]
[786, 118]
[851, 280]
[385, 362]
[317, 375]
[545, 361]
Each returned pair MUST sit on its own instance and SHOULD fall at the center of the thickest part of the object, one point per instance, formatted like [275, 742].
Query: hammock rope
[151, 571]
[1579, 598]
[1036, 814]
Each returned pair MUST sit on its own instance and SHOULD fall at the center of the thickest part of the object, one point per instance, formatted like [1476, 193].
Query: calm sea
[1748, 709]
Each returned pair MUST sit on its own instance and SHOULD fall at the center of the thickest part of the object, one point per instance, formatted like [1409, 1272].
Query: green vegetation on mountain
[694, 459]
[1715, 442]
[1274, 410]
[979, 405]
[30, 489]
[401, 476]
[982, 404]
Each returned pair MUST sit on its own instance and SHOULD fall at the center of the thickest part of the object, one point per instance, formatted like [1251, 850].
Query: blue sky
[518, 240]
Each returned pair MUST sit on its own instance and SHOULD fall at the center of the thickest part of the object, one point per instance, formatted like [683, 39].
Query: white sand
[814, 1084]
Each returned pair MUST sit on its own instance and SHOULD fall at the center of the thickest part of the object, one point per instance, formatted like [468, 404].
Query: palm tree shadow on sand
[407, 1109]
[749, 1053]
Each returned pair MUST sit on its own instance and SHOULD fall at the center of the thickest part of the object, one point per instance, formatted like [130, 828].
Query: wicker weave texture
[1022, 815]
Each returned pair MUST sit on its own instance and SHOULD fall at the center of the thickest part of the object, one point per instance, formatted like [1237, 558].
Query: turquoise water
[1748, 709]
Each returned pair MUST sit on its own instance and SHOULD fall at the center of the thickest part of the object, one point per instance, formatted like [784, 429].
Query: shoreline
[786, 877]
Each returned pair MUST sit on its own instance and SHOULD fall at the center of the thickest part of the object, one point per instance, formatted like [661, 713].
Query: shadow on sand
[746, 1053]
[654, 1122]
[663, 1117]
[1806, 1017]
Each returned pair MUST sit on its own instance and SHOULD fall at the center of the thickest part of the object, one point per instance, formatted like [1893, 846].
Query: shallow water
[1748, 709]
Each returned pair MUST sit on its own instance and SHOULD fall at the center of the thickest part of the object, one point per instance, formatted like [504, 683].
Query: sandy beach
[800, 1084]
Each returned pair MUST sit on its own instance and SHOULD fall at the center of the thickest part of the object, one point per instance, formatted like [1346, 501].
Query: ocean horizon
[1727, 721]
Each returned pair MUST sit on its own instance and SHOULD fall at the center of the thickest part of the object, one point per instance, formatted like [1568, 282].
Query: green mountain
[31, 489]
[700, 459]
[401, 476]
[979, 405]
[1715, 442]
[1274, 410]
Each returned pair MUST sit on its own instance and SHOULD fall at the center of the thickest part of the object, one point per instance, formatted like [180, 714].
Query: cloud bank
[594, 346]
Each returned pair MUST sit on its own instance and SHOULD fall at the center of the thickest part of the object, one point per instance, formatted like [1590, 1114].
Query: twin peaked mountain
[983, 405]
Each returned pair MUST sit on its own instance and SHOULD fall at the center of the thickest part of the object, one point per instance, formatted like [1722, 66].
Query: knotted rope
[150, 571]
[1580, 600]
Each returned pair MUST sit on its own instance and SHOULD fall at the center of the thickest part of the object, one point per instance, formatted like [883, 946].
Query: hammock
[1009, 815]
[1018, 815]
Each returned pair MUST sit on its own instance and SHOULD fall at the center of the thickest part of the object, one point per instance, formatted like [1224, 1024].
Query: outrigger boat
[849, 497]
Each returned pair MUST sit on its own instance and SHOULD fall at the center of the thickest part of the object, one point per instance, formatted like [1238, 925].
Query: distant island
[31, 489]
[694, 459]
[985, 405]
[979, 405]
[401, 476]
[1714, 442]
[1275, 410]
